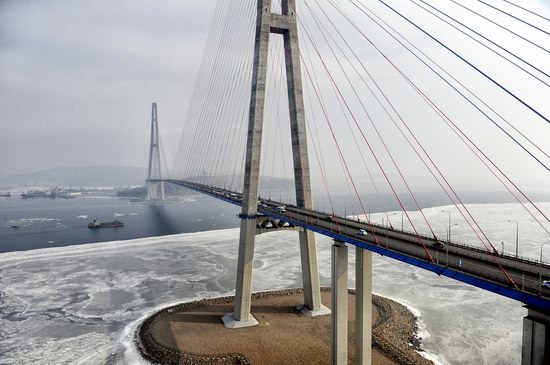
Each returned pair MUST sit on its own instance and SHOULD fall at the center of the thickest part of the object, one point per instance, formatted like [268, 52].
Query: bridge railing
[511, 262]
[521, 259]
[442, 260]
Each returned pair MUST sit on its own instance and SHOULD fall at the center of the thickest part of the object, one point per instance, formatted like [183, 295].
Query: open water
[62, 222]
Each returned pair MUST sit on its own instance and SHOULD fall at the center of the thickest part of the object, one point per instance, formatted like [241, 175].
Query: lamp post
[540, 268]
[517, 234]
[402, 211]
[502, 253]
[449, 231]
[389, 222]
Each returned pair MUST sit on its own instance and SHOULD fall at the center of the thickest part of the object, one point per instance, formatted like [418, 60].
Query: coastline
[395, 333]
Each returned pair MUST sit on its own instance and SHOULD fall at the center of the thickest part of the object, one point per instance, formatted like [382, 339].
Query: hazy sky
[77, 79]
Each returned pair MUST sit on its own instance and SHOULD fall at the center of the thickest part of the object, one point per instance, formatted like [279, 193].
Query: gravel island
[193, 333]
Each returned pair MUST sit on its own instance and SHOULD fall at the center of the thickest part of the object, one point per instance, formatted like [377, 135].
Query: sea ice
[79, 304]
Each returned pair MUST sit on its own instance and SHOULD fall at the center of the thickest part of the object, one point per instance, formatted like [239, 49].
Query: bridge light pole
[540, 267]
[502, 253]
[449, 231]
[517, 234]
[389, 222]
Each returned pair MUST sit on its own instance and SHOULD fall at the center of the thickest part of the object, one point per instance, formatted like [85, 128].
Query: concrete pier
[363, 306]
[535, 348]
[339, 307]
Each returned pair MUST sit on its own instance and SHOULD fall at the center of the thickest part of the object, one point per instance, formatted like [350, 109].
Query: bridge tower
[155, 187]
[285, 25]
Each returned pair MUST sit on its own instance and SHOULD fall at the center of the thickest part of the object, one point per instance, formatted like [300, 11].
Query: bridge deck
[468, 264]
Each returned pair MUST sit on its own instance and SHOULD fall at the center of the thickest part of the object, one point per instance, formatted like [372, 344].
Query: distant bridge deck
[468, 264]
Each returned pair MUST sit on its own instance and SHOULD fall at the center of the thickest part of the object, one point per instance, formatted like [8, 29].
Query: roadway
[474, 265]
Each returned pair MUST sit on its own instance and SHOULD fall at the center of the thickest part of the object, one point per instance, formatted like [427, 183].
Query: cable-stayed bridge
[257, 110]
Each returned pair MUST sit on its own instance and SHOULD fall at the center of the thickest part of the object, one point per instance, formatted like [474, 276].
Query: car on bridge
[281, 209]
[546, 284]
[438, 244]
[362, 232]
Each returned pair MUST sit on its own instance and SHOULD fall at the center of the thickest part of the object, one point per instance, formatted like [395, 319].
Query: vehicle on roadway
[281, 209]
[263, 205]
[329, 217]
[546, 284]
[362, 232]
[438, 244]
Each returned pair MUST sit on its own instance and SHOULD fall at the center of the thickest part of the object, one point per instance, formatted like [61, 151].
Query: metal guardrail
[431, 239]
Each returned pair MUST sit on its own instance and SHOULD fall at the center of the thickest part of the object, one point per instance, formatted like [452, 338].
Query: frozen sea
[81, 304]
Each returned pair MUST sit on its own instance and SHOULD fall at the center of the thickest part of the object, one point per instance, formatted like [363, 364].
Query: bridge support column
[339, 310]
[312, 306]
[242, 317]
[535, 349]
[363, 306]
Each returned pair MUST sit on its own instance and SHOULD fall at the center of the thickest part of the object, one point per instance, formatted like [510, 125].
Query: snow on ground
[81, 304]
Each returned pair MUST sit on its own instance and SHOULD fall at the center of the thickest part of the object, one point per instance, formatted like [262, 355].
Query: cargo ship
[96, 224]
[38, 194]
[5, 195]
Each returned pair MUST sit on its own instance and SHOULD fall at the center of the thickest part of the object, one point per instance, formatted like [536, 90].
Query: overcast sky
[77, 79]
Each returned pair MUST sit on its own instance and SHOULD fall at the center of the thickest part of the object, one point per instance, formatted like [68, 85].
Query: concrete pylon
[339, 314]
[284, 24]
[155, 188]
[363, 306]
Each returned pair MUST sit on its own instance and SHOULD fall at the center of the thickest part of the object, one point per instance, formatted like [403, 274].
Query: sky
[77, 79]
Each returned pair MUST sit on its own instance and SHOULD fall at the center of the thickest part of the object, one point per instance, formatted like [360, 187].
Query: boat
[38, 194]
[15, 226]
[96, 224]
[5, 195]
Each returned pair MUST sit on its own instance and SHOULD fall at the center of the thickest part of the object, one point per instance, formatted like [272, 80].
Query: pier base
[230, 322]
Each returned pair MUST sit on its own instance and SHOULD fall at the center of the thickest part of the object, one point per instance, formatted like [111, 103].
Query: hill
[104, 175]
